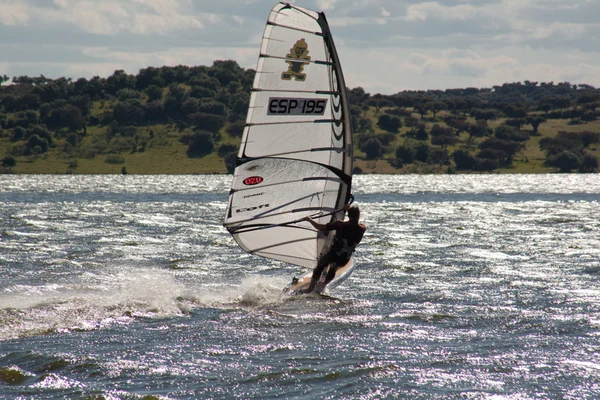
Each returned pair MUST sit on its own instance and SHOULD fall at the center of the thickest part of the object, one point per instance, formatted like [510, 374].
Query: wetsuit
[348, 235]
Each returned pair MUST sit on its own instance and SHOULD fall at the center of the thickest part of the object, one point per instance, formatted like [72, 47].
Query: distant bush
[405, 154]
[373, 148]
[398, 112]
[114, 159]
[230, 161]
[589, 163]
[126, 94]
[36, 145]
[200, 144]
[389, 123]
[8, 162]
[236, 129]
[225, 149]
[565, 161]
[463, 160]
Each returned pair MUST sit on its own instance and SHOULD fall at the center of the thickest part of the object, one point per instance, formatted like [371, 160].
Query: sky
[385, 46]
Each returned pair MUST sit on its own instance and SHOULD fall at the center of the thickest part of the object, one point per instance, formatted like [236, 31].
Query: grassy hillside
[165, 154]
[530, 160]
[188, 120]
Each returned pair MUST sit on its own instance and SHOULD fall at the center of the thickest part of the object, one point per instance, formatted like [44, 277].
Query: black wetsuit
[348, 235]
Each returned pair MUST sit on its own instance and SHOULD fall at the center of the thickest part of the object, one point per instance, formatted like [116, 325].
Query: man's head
[354, 213]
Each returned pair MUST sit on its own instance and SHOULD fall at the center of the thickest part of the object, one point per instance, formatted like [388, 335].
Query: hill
[180, 120]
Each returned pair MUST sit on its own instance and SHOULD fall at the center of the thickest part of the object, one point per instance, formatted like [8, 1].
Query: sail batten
[295, 158]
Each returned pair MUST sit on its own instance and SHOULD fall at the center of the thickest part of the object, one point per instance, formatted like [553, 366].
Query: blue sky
[386, 46]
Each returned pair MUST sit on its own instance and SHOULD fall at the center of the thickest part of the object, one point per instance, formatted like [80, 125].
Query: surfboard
[298, 285]
[295, 157]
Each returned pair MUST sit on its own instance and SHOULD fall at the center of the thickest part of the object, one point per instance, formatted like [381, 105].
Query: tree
[18, 133]
[442, 136]
[565, 161]
[41, 131]
[436, 106]
[226, 148]
[201, 144]
[120, 80]
[440, 157]
[514, 111]
[153, 92]
[67, 116]
[483, 114]
[211, 106]
[589, 163]
[126, 94]
[389, 123]
[509, 147]
[535, 122]
[154, 111]
[478, 129]
[208, 122]
[587, 138]
[457, 123]
[128, 112]
[176, 96]
[35, 144]
[444, 140]
[364, 125]
[8, 162]
[421, 133]
[485, 164]
[421, 108]
[463, 160]
[411, 121]
[190, 106]
[230, 162]
[423, 153]
[236, 129]
[147, 77]
[506, 132]
[405, 154]
[516, 122]
[373, 148]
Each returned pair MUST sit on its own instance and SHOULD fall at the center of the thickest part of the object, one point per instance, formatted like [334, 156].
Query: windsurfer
[348, 235]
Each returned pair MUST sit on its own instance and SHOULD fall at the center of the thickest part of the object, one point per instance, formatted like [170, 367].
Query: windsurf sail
[295, 158]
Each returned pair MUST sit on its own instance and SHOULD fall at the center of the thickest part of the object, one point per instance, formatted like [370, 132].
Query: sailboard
[295, 158]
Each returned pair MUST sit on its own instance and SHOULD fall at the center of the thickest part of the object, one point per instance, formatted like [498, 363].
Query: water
[477, 287]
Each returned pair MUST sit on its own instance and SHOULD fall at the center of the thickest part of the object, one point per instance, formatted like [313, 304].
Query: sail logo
[296, 106]
[246, 209]
[296, 68]
[253, 180]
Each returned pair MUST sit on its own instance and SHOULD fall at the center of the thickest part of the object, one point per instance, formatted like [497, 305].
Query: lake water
[467, 286]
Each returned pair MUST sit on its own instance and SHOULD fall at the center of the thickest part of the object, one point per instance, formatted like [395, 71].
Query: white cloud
[434, 10]
[385, 45]
[14, 14]
[110, 17]
[326, 5]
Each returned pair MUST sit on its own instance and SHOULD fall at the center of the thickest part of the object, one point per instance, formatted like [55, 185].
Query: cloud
[434, 10]
[110, 17]
[326, 5]
[14, 14]
[385, 45]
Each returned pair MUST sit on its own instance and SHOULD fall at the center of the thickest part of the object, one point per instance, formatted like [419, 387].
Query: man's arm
[321, 227]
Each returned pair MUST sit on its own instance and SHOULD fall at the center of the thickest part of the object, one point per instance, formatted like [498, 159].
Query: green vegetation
[190, 120]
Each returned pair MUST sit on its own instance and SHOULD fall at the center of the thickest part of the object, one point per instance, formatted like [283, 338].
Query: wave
[121, 295]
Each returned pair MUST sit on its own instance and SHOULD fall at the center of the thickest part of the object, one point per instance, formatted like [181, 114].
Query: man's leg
[331, 273]
[323, 262]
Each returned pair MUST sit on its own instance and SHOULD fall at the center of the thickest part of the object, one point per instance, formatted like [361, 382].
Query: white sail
[295, 157]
